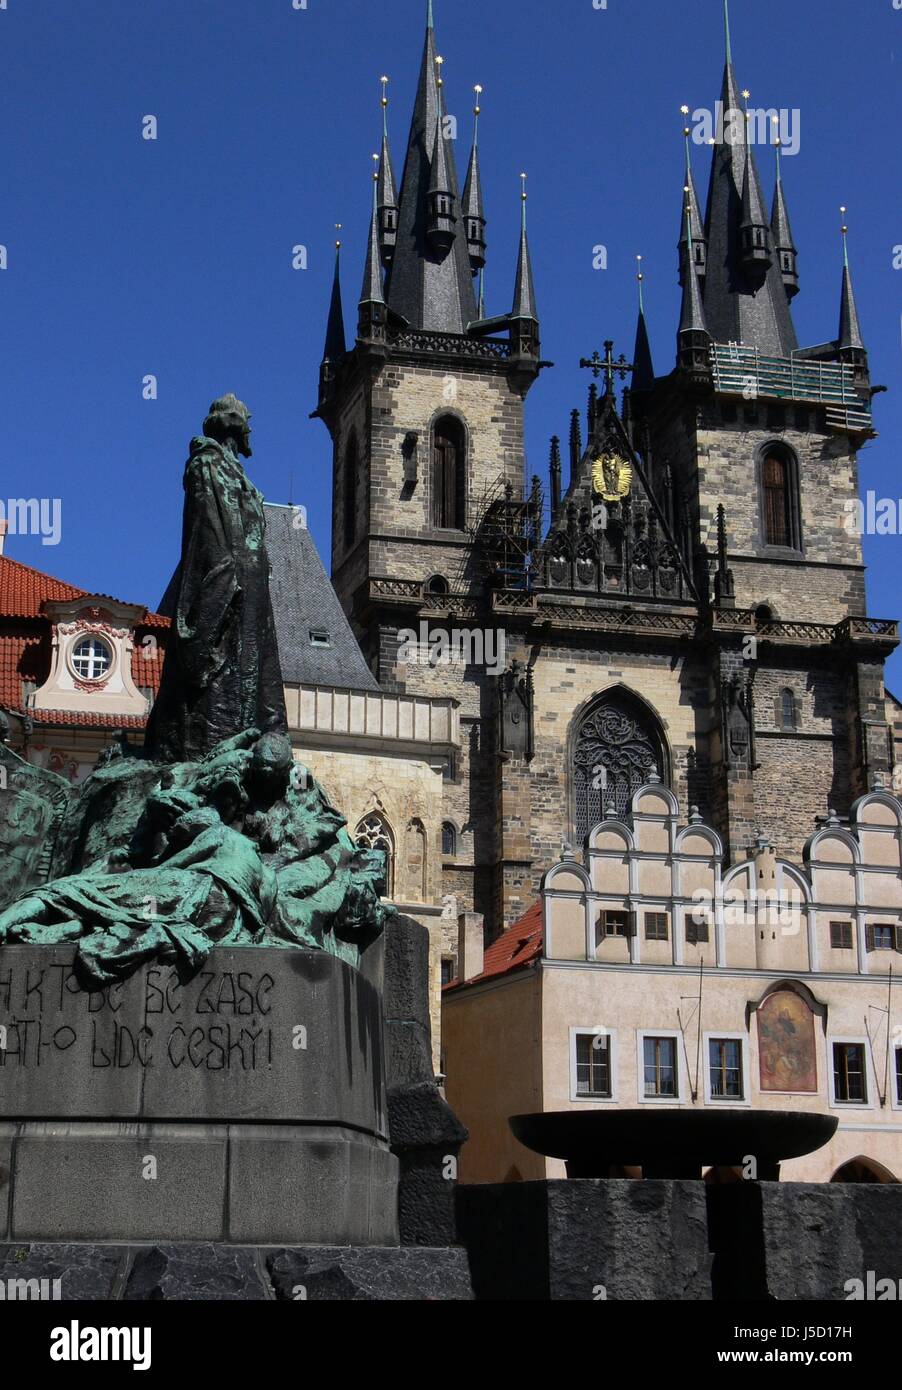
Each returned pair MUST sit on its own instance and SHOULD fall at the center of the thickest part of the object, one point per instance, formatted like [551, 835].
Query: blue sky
[173, 257]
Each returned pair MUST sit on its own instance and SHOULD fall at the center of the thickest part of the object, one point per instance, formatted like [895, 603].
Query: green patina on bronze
[196, 841]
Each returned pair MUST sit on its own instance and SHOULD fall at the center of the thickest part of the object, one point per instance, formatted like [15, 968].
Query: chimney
[4, 527]
[470, 946]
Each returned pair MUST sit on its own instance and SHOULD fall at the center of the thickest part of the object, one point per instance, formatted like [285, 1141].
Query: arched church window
[449, 474]
[617, 748]
[449, 838]
[778, 499]
[787, 709]
[350, 493]
[374, 832]
[437, 585]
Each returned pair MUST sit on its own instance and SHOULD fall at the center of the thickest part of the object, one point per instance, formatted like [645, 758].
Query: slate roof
[304, 601]
[431, 292]
[515, 949]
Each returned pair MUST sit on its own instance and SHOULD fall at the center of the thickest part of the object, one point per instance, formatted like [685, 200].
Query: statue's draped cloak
[222, 671]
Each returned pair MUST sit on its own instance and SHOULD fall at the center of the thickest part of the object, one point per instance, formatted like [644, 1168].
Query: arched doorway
[863, 1169]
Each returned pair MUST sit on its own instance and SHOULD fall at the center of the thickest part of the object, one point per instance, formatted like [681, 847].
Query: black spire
[756, 253]
[387, 197]
[371, 319]
[695, 230]
[781, 233]
[432, 289]
[524, 315]
[442, 203]
[555, 468]
[473, 207]
[576, 443]
[739, 305]
[693, 338]
[850, 343]
[643, 369]
[336, 346]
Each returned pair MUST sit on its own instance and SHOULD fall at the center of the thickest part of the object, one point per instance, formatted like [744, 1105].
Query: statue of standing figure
[222, 671]
[211, 835]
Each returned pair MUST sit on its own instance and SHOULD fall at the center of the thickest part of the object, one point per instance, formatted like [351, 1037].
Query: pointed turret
[696, 231]
[781, 235]
[473, 207]
[430, 279]
[335, 349]
[850, 342]
[693, 338]
[524, 315]
[555, 470]
[441, 213]
[744, 297]
[372, 315]
[756, 254]
[576, 443]
[643, 369]
[386, 198]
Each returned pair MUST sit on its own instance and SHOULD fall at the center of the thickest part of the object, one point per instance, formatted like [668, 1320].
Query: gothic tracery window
[616, 750]
[374, 832]
[449, 474]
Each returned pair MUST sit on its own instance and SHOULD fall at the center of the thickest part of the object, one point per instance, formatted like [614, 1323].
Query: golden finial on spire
[845, 236]
[439, 61]
[477, 108]
[640, 278]
[375, 168]
[384, 81]
[338, 239]
[523, 193]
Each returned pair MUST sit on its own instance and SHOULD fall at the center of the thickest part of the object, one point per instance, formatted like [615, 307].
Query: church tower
[687, 608]
[425, 411]
[760, 438]
[426, 408]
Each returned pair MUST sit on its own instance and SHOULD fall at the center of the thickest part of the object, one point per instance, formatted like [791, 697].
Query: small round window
[91, 659]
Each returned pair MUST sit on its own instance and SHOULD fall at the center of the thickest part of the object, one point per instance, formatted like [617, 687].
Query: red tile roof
[515, 949]
[23, 590]
[25, 652]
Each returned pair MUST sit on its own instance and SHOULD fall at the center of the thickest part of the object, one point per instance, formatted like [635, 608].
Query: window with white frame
[899, 1075]
[660, 1067]
[850, 1077]
[593, 1065]
[91, 658]
[725, 1069]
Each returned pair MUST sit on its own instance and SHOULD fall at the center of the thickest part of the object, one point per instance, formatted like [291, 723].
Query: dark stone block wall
[681, 1241]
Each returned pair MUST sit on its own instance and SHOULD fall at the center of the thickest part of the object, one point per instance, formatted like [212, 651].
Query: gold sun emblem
[612, 477]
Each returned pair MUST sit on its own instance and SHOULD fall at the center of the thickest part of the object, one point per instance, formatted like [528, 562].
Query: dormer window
[319, 637]
[91, 659]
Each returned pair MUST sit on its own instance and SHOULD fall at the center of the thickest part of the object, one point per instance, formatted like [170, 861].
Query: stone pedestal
[245, 1105]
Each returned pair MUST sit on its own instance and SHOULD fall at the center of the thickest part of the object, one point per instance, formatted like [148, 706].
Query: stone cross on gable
[607, 365]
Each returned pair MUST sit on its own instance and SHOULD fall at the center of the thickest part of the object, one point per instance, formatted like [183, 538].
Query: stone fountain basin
[672, 1143]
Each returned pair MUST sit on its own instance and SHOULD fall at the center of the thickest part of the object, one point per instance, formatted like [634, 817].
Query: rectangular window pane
[841, 936]
[593, 1065]
[656, 926]
[899, 1075]
[725, 1065]
[848, 1072]
[884, 938]
[660, 1067]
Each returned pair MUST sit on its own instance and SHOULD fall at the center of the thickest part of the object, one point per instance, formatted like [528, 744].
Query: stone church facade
[690, 604]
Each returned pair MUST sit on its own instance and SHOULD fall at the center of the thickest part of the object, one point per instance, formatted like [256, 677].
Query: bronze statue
[222, 670]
